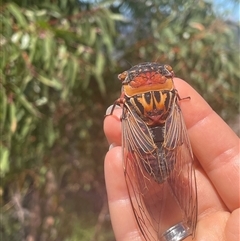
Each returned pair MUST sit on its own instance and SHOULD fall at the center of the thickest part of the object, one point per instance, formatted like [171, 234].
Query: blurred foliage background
[59, 66]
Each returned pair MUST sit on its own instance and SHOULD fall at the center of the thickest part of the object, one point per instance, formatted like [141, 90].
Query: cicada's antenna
[129, 63]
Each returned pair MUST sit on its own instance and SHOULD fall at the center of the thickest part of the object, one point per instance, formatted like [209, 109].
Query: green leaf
[99, 67]
[3, 107]
[86, 80]
[119, 17]
[26, 128]
[51, 83]
[74, 68]
[100, 62]
[92, 36]
[4, 160]
[33, 47]
[48, 50]
[26, 104]
[16, 12]
[106, 38]
[101, 84]
[12, 117]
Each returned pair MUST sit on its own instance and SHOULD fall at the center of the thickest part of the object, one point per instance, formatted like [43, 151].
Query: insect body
[157, 154]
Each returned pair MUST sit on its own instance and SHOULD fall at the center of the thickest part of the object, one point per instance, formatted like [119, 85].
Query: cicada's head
[146, 77]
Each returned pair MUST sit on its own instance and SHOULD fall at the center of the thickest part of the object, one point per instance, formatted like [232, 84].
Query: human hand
[216, 148]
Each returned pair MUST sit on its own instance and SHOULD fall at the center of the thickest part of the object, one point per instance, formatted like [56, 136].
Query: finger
[112, 125]
[122, 218]
[212, 227]
[213, 203]
[215, 145]
[232, 230]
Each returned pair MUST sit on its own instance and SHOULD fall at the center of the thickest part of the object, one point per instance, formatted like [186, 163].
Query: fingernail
[111, 146]
[110, 108]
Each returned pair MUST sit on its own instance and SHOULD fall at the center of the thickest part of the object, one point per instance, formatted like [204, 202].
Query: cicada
[157, 155]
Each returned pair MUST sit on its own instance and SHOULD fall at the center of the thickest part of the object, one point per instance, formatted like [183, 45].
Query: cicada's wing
[182, 179]
[159, 203]
[137, 142]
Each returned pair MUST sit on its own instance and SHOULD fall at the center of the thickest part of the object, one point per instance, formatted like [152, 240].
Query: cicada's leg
[180, 98]
[119, 101]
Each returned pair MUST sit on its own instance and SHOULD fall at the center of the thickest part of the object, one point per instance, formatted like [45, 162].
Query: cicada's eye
[122, 76]
[169, 68]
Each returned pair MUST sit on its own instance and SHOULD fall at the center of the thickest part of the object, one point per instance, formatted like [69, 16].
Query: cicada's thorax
[150, 91]
[153, 106]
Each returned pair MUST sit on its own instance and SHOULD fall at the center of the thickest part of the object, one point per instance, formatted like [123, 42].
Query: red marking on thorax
[147, 78]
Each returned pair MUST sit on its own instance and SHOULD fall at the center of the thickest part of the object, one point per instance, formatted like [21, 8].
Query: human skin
[216, 148]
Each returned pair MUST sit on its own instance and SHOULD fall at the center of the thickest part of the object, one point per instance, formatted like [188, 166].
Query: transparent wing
[182, 180]
[157, 206]
[137, 142]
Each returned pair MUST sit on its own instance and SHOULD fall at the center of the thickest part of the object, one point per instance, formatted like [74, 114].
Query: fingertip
[112, 125]
[181, 84]
[194, 109]
[113, 109]
[232, 230]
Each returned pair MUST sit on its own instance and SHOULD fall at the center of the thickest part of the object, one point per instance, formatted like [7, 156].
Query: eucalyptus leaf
[3, 107]
[12, 117]
[4, 160]
[17, 13]
[25, 103]
[50, 82]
